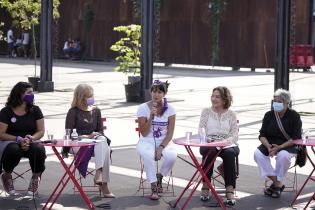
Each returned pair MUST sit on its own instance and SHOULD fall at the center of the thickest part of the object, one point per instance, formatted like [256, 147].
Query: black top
[21, 125]
[291, 123]
[85, 122]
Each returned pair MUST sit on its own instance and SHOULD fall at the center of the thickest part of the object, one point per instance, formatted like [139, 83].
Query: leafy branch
[128, 48]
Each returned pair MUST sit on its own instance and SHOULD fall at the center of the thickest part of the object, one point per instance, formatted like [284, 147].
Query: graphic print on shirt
[159, 128]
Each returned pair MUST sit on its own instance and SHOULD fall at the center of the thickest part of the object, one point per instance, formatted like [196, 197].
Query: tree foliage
[128, 48]
[26, 13]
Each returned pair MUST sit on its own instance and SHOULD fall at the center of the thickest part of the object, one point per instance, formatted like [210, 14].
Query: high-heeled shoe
[205, 195]
[105, 191]
[98, 177]
[229, 201]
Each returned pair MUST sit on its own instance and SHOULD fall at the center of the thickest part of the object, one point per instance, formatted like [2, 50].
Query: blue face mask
[90, 101]
[277, 107]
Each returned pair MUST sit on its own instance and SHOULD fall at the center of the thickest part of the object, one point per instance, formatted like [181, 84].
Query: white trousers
[146, 149]
[102, 157]
[283, 163]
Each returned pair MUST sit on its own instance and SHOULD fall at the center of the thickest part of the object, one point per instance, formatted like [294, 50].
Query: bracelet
[18, 139]
[161, 145]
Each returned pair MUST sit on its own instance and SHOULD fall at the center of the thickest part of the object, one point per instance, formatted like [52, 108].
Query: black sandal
[277, 192]
[231, 201]
[159, 183]
[154, 193]
[268, 191]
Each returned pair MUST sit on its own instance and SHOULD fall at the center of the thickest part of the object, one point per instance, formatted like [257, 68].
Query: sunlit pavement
[189, 92]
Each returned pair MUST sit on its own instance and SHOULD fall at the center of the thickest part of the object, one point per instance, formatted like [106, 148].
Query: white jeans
[102, 157]
[146, 149]
[283, 163]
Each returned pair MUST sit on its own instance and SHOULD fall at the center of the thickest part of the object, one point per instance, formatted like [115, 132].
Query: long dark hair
[15, 97]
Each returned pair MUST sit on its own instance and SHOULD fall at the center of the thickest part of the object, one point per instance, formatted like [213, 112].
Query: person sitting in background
[85, 117]
[219, 120]
[275, 143]
[21, 123]
[67, 47]
[156, 120]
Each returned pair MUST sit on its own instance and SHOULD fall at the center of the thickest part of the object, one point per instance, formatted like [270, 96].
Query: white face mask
[277, 106]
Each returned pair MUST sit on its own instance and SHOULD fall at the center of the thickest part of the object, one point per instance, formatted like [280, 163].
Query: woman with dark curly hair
[219, 121]
[21, 123]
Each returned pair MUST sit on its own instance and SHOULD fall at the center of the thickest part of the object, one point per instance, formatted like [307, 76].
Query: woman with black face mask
[21, 123]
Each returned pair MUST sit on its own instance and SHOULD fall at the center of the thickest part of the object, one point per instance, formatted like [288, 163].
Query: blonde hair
[80, 93]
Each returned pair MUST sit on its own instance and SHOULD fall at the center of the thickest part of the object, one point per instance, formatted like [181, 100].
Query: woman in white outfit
[274, 143]
[156, 120]
[86, 119]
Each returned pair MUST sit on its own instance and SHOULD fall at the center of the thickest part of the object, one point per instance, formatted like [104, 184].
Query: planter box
[132, 92]
[34, 81]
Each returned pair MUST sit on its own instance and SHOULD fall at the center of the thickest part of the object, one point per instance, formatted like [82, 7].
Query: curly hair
[15, 97]
[225, 95]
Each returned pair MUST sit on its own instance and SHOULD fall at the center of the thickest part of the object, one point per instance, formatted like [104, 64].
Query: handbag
[301, 149]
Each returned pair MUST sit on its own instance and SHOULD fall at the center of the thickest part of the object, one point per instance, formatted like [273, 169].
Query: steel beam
[282, 67]
[46, 48]
[147, 37]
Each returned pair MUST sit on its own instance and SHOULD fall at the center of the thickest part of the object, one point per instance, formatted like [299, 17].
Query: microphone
[154, 105]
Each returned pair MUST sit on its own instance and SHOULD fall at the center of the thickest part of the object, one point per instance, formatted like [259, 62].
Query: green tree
[25, 14]
[128, 48]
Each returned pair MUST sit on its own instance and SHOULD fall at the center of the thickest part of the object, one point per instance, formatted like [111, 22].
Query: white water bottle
[74, 135]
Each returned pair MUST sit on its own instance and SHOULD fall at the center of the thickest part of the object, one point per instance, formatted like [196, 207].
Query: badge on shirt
[13, 119]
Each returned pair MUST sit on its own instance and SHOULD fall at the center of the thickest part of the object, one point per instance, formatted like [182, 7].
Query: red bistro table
[194, 142]
[70, 169]
[308, 143]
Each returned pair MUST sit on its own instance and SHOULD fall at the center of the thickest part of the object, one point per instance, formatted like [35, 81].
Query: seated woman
[274, 142]
[156, 120]
[21, 123]
[86, 119]
[219, 120]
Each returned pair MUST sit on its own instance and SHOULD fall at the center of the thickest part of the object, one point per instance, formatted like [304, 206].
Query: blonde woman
[85, 117]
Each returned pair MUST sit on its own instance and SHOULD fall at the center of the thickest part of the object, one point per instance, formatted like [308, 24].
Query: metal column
[147, 36]
[46, 49]
[283, 45]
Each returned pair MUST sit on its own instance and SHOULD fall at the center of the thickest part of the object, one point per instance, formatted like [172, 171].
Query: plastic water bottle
[202, 135]
[74, 135]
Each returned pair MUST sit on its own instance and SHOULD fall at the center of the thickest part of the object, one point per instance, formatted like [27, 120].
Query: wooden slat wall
[247, 35]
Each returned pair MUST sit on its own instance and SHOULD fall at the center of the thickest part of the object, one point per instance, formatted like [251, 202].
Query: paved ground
[189, 92]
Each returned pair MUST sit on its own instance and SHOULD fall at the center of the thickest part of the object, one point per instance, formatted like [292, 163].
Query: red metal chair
[84, 182]
[146, 190]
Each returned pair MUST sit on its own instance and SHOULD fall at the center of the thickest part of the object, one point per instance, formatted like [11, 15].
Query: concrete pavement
[189, 92]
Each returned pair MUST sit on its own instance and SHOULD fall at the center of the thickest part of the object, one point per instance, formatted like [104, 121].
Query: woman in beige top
[220, 123]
